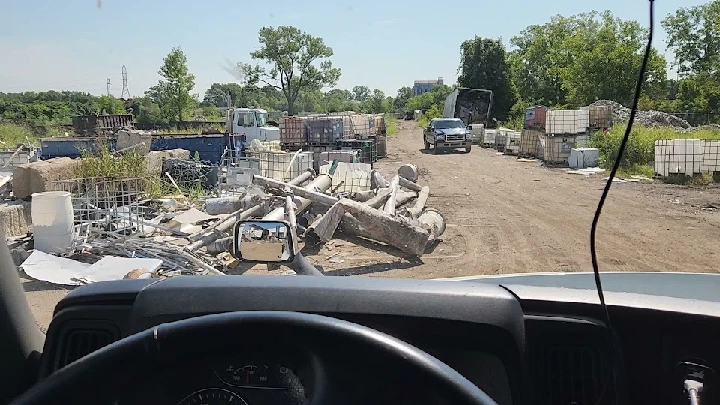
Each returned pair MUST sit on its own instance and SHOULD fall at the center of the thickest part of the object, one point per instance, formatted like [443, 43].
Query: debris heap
[650, 118]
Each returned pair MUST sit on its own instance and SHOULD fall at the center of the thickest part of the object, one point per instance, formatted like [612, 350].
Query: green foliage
[432, 99]
[13, 134]
[483, 65]
[694, 38]
[110, 105]
[400, 102]
[573, 61]
[360, 93]
[640, 148]
[432, 112]
[172, 93]
[299, 62]
[391, 124]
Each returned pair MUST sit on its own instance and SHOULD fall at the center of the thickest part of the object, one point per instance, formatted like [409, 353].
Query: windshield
[138, 118]
[246, 119]
[446, 124]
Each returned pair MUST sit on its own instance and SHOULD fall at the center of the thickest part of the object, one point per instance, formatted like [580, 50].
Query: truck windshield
[261, 119]
[449, 124]
[246, 119]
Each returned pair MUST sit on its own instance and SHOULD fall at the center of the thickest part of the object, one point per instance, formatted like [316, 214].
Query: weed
[391, 124]
[12, 135]
[640, 148]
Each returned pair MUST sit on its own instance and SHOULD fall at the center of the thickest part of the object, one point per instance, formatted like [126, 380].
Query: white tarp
[59, 270]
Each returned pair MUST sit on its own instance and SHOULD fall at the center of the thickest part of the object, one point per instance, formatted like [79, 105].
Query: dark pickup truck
[447, 133]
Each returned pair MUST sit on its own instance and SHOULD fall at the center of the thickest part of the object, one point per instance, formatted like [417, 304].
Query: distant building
[423, 86]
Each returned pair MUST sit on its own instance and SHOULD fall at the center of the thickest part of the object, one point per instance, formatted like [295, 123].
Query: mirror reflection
[264, 241]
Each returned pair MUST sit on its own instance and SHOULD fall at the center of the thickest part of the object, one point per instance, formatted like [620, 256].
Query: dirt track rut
[508, 216]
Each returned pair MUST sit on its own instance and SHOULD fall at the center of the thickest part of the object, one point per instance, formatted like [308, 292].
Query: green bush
[640, 148]
[430, 113]
[12, 134]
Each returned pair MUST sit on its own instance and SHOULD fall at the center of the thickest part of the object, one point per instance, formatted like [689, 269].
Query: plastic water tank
[52, 219]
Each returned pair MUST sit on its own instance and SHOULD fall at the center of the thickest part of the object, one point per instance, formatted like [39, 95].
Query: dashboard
[520, 345]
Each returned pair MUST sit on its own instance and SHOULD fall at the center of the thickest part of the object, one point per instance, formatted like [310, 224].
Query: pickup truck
[447, 133]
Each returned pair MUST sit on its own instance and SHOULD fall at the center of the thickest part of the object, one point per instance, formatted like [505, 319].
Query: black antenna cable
[606, 190]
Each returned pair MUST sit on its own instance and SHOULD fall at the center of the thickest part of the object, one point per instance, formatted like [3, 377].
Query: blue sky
[75, 45]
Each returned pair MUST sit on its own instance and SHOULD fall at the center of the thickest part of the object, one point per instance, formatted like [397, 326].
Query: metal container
[324, 130]
[208, 148]
[556, 149]
[88, 125]
[293, 130]
[381, 145]
[535, 117]
[529, 142]
[600, 116]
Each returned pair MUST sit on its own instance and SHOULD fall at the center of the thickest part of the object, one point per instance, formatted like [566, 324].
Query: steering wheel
[102, 372]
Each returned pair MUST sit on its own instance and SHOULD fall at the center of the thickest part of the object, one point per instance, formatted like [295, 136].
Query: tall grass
[12, 135]
[391, 124]
[640, 148]
[129, 164]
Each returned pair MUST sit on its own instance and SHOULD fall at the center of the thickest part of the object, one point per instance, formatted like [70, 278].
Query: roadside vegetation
[391, 124]
[640, 149]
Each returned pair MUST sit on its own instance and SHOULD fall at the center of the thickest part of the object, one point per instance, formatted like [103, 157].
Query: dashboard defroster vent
[81, 341]
[568, 375]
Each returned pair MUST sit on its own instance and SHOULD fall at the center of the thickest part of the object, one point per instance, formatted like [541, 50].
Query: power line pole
[108, 87]
[125, 92]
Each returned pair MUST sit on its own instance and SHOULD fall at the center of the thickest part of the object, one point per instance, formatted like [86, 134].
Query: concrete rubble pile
[118, 232]
[646, 118]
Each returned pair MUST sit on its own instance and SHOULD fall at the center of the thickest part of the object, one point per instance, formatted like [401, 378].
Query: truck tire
[427, 145]
[435, 149]
[468, 148]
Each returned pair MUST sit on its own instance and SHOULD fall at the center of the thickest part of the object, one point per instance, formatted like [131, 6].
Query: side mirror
[263, 242]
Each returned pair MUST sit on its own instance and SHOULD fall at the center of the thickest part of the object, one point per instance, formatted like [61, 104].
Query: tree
[573, 61]
[110, 105]
[298, 62]
[403, 95]
[376, 103]
[361, 93]
[483, 65]
[694, 37]
[172, 93]
[220, 94]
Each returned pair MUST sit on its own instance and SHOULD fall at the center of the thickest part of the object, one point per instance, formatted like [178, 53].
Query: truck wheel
[427, 145]
[468, 148]
[435, 149]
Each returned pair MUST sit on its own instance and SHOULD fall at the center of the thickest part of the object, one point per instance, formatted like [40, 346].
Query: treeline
[573, 61]
[565, 63]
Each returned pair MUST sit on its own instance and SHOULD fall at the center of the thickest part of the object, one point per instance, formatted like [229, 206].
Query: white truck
[245, 124]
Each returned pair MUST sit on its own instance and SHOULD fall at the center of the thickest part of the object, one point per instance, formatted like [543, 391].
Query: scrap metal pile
[131, 236]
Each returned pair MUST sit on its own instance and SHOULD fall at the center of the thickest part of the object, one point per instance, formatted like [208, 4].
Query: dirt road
[508, 216]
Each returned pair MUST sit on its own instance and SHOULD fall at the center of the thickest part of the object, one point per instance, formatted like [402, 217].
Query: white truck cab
[246, 124]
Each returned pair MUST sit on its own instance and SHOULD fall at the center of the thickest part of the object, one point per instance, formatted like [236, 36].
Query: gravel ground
[508, 216]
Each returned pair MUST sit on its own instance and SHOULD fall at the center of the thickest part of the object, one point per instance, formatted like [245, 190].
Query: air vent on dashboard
[566, 374]
[81, 341]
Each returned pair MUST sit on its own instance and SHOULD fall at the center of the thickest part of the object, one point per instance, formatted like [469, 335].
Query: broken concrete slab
[154, 159]
[15, 218]
[138, 142]
[38, 177]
